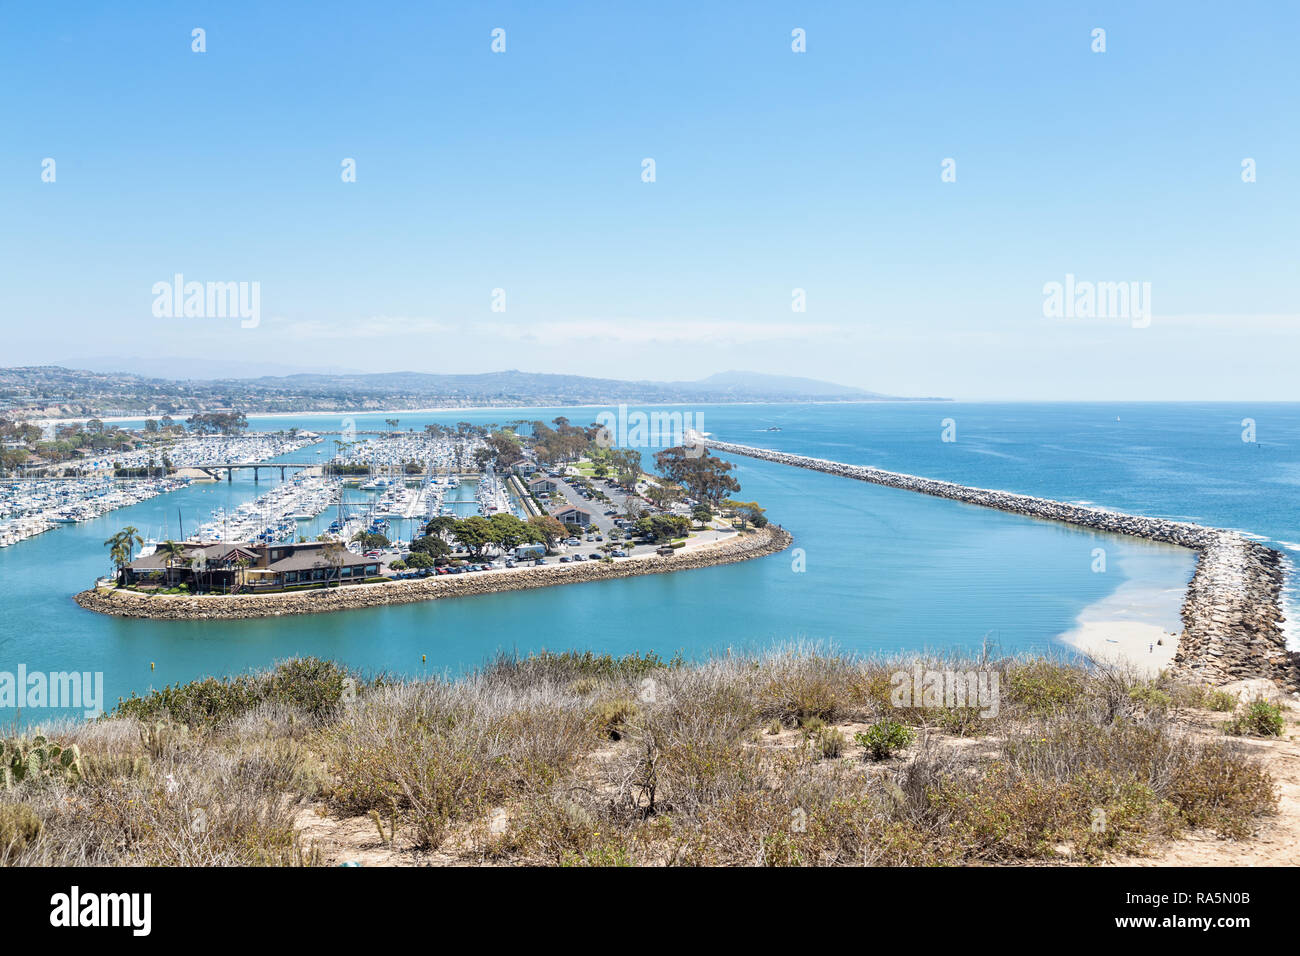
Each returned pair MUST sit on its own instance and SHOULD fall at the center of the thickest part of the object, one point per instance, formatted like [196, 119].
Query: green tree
[511, 532]
[706, 478]
[476, 534]
[549, 530]
[432, 545]
[122, 546]
[749, 513]
[173, 553]
[441, 526]
[664, 527]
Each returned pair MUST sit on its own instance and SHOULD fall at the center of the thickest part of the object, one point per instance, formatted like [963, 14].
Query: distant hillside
[747, 383]
[59, 392]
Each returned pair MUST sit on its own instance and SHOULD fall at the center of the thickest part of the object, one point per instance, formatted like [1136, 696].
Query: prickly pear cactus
[23, 759]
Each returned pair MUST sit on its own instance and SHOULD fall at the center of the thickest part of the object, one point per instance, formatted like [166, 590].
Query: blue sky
[774, 171]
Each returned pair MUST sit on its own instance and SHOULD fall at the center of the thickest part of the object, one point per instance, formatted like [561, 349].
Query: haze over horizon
[775, 171]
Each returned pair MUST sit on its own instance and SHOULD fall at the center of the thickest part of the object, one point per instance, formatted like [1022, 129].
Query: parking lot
[602, 526]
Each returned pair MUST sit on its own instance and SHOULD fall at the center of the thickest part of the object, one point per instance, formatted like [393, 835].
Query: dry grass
[583, 760]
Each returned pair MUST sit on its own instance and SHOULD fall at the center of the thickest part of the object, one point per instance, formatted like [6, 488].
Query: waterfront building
[250, 567]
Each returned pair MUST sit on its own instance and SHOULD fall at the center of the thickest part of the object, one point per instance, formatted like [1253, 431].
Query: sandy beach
[1137, 627]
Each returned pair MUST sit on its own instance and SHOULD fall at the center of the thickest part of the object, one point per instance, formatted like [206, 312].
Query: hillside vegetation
[799, 758]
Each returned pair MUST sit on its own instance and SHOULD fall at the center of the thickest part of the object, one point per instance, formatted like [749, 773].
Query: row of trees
[563, 443]
[217, 423]
[704, 477]
[479, 535]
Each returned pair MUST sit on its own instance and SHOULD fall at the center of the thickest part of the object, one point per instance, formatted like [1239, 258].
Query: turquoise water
[885, 570]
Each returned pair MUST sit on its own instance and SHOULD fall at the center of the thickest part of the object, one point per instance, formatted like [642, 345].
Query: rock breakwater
[1232, 614]
[125, 603]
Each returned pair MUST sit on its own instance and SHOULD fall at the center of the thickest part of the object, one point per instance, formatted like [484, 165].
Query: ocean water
[877, 570]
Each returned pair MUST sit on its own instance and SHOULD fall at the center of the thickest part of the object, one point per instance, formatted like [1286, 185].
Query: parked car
[565, 559]
[594, 556]
[578, 557]
[510, 563]
[620, 553]
[538, 563]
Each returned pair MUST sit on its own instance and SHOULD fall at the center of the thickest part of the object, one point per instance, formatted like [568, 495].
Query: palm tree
[122, 546]
[173, 552]
[241, 578]
[117, 554]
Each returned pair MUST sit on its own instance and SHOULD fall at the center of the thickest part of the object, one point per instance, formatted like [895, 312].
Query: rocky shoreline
[125, 603]
[1232, 614]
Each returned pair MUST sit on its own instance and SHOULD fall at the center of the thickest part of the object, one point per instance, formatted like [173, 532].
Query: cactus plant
[159, 737]
[24, 759]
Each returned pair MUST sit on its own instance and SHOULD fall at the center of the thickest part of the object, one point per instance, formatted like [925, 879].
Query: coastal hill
[53, 391]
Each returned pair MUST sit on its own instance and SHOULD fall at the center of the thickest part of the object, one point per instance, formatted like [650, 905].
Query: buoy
[151, 665]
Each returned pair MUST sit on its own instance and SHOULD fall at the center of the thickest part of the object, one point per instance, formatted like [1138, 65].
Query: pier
[1232, 613]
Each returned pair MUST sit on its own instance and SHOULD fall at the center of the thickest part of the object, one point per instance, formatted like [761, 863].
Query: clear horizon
[514, 179]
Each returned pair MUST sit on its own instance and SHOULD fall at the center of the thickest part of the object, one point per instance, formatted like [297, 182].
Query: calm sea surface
[883, 570]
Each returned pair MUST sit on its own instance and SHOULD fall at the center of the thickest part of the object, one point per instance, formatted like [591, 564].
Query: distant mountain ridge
[728, 382]
[56, 391]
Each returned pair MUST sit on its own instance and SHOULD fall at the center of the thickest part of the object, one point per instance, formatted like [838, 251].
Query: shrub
[829, 742]
[962, 721]
[1221, 790]
[800, 688]
[1220, 701]
[440, 753]
[1260, 719]
[1150, 697]
[611, 714]
[305, 683]
[574, 665]
[1043, 687]
[19, 827]
[884, 738]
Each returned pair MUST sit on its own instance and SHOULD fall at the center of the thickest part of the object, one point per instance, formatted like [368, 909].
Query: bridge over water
[214, 469]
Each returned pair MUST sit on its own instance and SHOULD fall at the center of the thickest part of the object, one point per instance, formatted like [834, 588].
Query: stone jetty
[1232, 614]
[122, 602]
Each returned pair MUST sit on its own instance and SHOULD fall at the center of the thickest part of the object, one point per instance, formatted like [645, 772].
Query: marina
[29, 508]
[32, 506]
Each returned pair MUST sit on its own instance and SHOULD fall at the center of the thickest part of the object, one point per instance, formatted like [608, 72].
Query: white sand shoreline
[1137, 626]
[346, 413]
